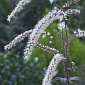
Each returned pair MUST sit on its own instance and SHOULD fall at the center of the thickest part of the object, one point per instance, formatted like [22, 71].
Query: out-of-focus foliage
[14, 71]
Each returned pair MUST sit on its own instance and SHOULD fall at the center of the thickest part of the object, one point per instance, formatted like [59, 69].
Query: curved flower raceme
[39, 29]
[18, 39]
[18, 8]
[48, 49]
[69, 12]
[51, 69]
[70, 2]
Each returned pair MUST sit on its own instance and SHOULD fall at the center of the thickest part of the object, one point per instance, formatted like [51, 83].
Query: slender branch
[71, 64]
[71, 38]
[59, 35]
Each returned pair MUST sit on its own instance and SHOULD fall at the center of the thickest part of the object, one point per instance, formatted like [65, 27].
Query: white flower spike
[51, 69]
[39, 29]
[18, 8]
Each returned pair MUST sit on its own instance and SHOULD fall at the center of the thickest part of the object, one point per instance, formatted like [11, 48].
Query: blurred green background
[13, 69]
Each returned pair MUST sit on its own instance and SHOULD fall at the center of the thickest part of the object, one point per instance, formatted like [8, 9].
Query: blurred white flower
[51, 37]
[43, 36]
[51, 1]
[48, 33]
[36, 59]
[50, 41]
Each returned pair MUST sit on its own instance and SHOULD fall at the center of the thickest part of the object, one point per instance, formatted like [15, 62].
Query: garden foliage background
[13, 69]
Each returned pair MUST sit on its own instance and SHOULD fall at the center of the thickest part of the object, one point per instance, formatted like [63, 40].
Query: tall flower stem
[66, 47]
[64, 61]
[65, 51]
[64, 56]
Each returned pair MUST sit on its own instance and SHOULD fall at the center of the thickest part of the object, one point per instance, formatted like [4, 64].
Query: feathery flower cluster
[72, 11]
[51, 69]
[18, 39]
[39, 29]
[70, 2]
[80, 33]
[18, 8]
[48, 49]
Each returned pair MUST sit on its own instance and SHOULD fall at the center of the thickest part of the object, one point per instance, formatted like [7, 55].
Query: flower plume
[18, 39]
[51, 69]
[39, 29]
[18, 8]
[72, 11]
[48, 49]
[70, 2]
